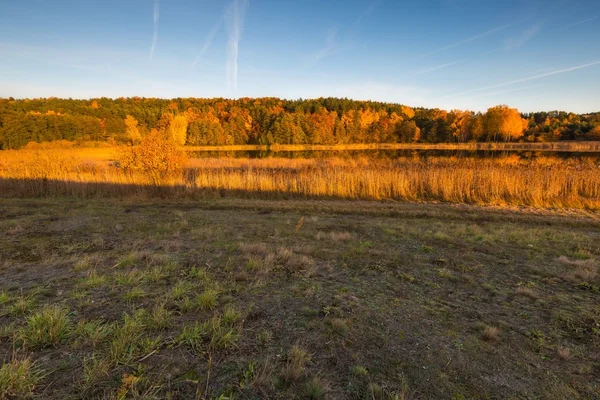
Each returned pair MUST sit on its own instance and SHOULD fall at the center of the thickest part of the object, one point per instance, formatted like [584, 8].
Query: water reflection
[391, 154]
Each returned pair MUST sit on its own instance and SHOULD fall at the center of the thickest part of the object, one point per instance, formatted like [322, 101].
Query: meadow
[251, 298]
[541, 182]
[139, 272]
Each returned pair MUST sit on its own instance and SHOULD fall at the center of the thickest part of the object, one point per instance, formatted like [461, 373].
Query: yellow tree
[132, 129]
[178, 129]
[504, 121]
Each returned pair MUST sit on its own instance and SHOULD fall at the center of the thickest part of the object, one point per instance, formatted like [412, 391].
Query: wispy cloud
[431, 69]
[523, 38]
[583, 21]
[327, 50]
[155, 34]
[497, 92]
[234, 21]
[208, 41]
[460, 43]
[529, 78]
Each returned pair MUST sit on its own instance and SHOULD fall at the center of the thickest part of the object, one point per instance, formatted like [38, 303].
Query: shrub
[156, 157]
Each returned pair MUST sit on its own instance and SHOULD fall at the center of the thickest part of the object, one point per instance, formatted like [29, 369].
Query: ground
[248, 299]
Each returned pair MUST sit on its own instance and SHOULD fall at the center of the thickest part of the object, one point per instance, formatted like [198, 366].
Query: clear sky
[465, 54]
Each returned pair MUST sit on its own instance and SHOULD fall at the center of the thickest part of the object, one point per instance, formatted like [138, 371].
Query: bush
[157, 157]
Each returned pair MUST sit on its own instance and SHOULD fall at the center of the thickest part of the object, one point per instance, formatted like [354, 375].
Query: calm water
[399, 153]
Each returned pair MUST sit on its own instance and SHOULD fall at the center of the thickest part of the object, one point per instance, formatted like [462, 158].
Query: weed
[134, 294]
[193, 336]
[339, 326]
[297, 360]
[315, 388]
[93, 279]
[93, 333]
[19, 378]
[159, 318]
[491, 334]
[95, 370]
[22, 304]
[207, 300]
[48, 327]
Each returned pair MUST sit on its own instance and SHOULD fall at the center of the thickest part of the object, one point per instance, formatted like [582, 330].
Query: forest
[197, 121]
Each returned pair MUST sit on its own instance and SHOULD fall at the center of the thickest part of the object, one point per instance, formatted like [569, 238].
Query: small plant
[207, 300]
[159, 318]
[491, 334]
[315, 388]
[264, 337]
[231, 316]
[156, 274]
[184, 305]
[526, 292]
[221, 337]
[48, 327]
[181, 289]
[339, 326]
[198, 273]
[192, 336]
[127, 337]
[93, 332]
[93, 279]
[297, 360]
[359, 370]
[95, 370]
[19, 378]
[4, 297]
[134, 293]
[22, 304]
[127, 260]
[564, 353]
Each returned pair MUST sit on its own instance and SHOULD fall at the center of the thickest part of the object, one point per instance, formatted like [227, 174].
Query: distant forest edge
[272, 122]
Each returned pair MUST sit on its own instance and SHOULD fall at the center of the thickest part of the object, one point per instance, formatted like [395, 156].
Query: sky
[453, 54]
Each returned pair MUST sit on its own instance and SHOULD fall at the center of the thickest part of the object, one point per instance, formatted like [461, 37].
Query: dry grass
[297, 360]
[580, 270]
[564, 353]
[526, 292]
[541, 182]
[491, 334]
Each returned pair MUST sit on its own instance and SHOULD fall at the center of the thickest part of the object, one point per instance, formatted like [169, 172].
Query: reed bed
[544, 182]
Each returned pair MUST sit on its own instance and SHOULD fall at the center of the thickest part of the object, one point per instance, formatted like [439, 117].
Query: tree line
[195, 121]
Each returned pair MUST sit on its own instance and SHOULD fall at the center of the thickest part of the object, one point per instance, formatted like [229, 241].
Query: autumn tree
[178, 129]
[132, 130]
[504, 122]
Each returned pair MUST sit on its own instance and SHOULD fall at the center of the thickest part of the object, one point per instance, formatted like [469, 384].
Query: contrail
[525, 37]
[234, 20]
[509, 90]
[424, 71]
[155, 36]
[208, 41]
[580, 22]
[472, 38]
[530, 78]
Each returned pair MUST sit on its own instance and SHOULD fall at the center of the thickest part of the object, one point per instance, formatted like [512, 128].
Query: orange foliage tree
[157, 157]
[505, 122]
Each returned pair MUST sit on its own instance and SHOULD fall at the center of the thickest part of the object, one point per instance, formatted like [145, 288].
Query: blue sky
[463, 54]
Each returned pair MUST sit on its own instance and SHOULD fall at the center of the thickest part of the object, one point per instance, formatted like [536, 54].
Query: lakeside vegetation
[292, 299]
[158, 167]
[273, 121]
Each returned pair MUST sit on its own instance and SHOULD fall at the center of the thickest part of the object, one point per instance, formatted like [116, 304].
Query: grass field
[246, 299]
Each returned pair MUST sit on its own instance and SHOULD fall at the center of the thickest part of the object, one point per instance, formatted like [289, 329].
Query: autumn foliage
[157, 157]
[267, 121]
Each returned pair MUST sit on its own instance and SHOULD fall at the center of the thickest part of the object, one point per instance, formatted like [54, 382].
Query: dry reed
[544, 182]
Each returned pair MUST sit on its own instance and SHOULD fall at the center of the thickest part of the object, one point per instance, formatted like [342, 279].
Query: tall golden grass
[544, 182]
